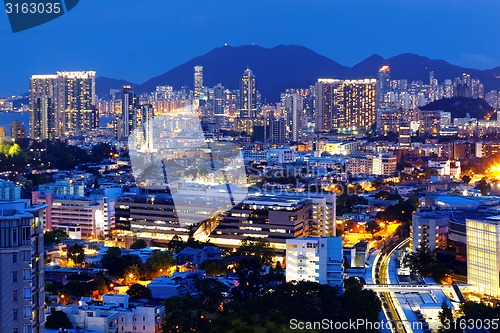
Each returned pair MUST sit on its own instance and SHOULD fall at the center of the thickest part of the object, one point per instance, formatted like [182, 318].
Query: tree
[258, 247]
[77, 254]
[483, 186]
[446, 319]
[159, 263]
[100, 284]
[57, 320]
[211, 293]
[139, 244]
[214, 267]
[176, 244]
[466, 179]
[53, 237]
[138, 291]
[113, 262]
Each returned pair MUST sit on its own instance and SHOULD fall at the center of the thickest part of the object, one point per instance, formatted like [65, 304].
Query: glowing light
[494, 170]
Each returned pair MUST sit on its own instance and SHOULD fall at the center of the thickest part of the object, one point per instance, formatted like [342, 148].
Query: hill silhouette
[460, 106]
[291, 66]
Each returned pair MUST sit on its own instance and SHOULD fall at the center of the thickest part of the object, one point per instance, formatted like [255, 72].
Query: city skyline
[181, 24]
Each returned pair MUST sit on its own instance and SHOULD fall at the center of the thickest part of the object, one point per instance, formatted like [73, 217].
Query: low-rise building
[114, 315]
[430, 229]
[315, 259]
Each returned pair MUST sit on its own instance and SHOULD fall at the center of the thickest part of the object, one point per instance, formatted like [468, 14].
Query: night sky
[138, 39]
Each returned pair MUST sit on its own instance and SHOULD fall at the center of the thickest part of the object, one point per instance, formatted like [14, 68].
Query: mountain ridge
[293, 66]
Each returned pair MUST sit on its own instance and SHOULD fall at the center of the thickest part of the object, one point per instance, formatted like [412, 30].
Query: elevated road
[381, 276]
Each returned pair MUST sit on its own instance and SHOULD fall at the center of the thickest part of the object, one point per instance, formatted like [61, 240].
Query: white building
[315, 259]
[281, 155]
[429, 228]
[114, 316]
[483, 253]
[383, 164]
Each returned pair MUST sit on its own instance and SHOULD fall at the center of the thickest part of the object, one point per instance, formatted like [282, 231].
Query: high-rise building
[219, 105]
[77, 100]
[22, 294]
[248, 95]
[277, 132]
[17, 130]
[355, 105]
[293, 106]
[345, 104]
[404, 138]
[130, 106]
[483, 253]
[430, 122]
[198, 81]
[146, 132]
[383, 83]
[43, 107]
[325, 94]
[316, 260]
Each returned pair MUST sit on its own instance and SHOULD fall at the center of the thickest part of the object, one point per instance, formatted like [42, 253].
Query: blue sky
[138, 39]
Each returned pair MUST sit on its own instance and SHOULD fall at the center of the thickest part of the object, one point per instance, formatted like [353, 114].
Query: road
[381, 276]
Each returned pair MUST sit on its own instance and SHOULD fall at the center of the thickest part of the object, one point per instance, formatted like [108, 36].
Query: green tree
[77, 254]
[100, 284]
[52, 237]
[176, 244]
[139, 244]
[258, 247]
[421, 261]
[57, 320]
[138, 291]
[214, 267]
[484, 186]
[446, 319]
[211, 293]
[159, 263]
[113, 261]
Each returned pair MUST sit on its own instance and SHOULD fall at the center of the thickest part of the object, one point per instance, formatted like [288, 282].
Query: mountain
[291, 66]
[276, 69]
[414, 67]
[460, 106]
[103, 85]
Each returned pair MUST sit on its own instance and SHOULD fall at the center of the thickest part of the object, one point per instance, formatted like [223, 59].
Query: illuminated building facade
[198, 81]
[483, 255]
[355, 105]
[129, 109]
[43, 107]
[345, 104]
[219, 105]
[383, 83]
[325, 94]
[77, 100]
[248, 94]
[274, 218]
